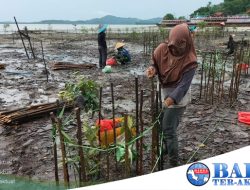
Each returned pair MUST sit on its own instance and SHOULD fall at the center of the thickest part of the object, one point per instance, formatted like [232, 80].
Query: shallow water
[12, 95]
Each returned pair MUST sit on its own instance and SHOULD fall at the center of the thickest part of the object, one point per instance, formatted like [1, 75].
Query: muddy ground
[26, 149]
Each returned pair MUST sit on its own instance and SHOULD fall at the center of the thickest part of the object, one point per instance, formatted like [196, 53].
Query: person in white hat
[122, 55]
[102, 45]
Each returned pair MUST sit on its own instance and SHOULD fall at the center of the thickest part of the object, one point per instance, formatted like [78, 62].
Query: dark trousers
[170, 122]
[102, 57]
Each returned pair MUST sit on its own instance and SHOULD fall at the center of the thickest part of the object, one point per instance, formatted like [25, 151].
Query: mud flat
[28, 147]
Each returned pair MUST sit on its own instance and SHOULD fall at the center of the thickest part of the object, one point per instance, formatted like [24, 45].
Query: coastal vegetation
[228, 7]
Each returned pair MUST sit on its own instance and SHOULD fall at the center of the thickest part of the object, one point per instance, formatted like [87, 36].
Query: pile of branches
[27, 113]
[68, 65]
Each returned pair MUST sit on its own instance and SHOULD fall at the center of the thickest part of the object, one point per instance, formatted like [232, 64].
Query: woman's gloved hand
[168, 102]
[150, 72]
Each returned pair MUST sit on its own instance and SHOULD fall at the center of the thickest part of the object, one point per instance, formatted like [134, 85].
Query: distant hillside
[109, 19]
[150, 21]
[112, 20]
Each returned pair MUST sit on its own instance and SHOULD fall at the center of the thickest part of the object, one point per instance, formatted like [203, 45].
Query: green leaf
[130, 155]
[93, 152]
[67, 138]
[62, 112]
[130, 122]
[54, 130]
[120, 153]
[90, 134]
[73, 160]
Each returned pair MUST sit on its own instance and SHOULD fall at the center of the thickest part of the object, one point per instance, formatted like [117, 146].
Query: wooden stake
[127, 163]
[64, 157]
[107, 153]
[21, 38]
[53, 120]
[45, 67]
[141, 131]
[82, 169]
[113, 117]
[137, 121]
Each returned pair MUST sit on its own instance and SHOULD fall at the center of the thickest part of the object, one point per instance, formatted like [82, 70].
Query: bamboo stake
[28, 37]
[82, 169]
[213, 79]
[99, 130]
[107, 154]
[64, 157]
[153, 151]
[137, 121]
[223, 80]
[53, 120]
[21, 38]
[205, 81]
[202, 70]
[113, 117]
[231, 89]
[141, 131]
[127, 163]
[157, 129]
[160, 97]
[160, 129]
[45, 67]
[238, 81]
[100, 114]
[208, 80]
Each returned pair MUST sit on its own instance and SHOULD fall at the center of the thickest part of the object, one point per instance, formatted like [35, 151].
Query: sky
[37, 10]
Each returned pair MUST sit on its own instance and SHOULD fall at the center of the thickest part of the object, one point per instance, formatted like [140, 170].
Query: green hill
[109, 19]
[228, 7]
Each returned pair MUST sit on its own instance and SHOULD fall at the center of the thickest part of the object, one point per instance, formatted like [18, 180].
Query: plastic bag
[111, 61]
[107, 69]
[244, 117]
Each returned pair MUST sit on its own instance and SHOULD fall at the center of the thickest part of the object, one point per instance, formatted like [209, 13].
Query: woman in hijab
[175, 62]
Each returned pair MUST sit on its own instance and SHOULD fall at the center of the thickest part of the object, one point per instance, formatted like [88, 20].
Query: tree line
[228, 8]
